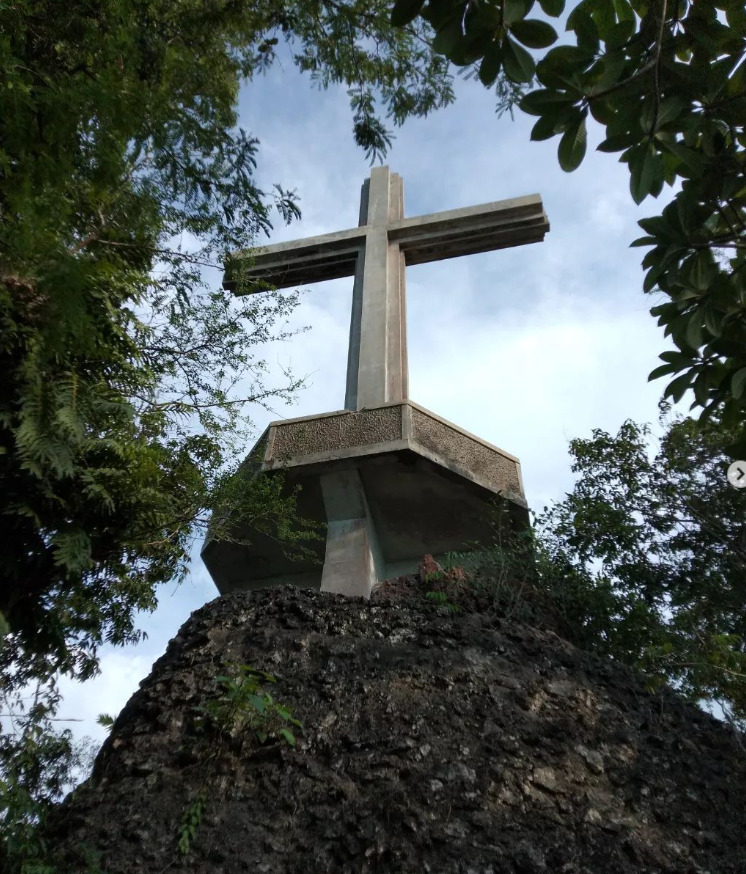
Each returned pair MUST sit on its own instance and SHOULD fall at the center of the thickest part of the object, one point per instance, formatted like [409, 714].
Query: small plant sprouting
[440, 599]
[190, 822]
[242, 702]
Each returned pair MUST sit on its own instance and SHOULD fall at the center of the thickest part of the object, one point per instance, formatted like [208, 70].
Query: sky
[526, 347]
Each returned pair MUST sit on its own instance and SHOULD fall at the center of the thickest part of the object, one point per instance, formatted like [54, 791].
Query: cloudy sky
[526, 347]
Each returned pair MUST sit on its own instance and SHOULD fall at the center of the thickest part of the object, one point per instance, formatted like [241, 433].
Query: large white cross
[376, 253]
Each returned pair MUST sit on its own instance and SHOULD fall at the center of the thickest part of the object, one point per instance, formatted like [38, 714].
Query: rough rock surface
[431, 742]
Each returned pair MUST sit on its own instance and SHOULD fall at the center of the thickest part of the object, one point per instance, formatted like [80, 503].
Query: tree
[667, 80]
[654, 542]
[39, 763]
[124, 378]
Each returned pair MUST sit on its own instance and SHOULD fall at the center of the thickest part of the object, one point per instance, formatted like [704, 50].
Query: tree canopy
[125, 377]
[667, 81]
[654, 543]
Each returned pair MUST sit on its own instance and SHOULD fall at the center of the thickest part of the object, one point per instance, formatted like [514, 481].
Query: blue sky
[526, 347]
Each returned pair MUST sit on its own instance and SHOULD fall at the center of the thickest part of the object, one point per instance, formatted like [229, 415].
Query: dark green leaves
[534, 33]
[562, 66]
[518, 63]
[738, 383]
[515, 10]
[662, 529]
[571, 149]
[553, 8]
[405, 11]
[678, 387]
[646, 172]
[544, 101]
[447, 37]
[491, 63]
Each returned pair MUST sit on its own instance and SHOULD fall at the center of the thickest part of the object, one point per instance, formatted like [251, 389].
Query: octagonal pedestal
[391, 484]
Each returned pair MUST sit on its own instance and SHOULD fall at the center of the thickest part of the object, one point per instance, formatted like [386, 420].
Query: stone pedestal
[391, 483]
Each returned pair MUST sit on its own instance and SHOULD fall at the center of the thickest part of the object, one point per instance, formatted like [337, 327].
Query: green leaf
[491, 63]
[694, 331]
[447, 37]
[692, 159]
[571, 150]
[534, 33]
[669, 109]
[405, 11]
[702, 270]
[676, 389]
[602, 13]
[616, 143]
[562, 65]
[288, 736]
[544, 100]
[544, 129]
[585, 29]
[713, 321]
[679, 358]
[518, 63]
[643, 176]
[470, 48]
[663, 370]
[602, 111]
[624, 10]
[515, 10]
[610, 69]
[701, 389]
[618, 36]
[738, 383]
[258, 702]
[552, 8]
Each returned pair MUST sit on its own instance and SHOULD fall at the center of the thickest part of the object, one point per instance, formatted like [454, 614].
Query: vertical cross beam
[377, 356]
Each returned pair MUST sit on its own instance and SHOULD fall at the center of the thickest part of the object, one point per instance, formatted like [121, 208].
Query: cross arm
[297, 262]
[496, 225]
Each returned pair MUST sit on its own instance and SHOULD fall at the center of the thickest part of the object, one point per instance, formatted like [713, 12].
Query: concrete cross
[387, 478]
[376, 253]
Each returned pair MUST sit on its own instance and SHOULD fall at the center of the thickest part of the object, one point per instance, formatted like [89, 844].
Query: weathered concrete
[376, 253]
[376, 371]
[352, 563]
[389, 479]
[390, 483]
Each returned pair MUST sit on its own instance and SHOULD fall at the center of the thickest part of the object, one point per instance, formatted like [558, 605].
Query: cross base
[391, 484]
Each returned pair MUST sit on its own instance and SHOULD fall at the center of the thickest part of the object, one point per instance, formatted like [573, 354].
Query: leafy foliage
[126, 380]
[664, 535]
[667, 80]
[241, 705]
[38, 764]
[190, 822]
[440, 599]
[644, 561]
[243, 702]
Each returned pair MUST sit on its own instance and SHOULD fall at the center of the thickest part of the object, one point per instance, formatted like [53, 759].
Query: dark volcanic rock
[431, 742]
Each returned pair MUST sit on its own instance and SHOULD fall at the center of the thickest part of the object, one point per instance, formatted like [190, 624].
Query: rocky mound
[430, 742]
